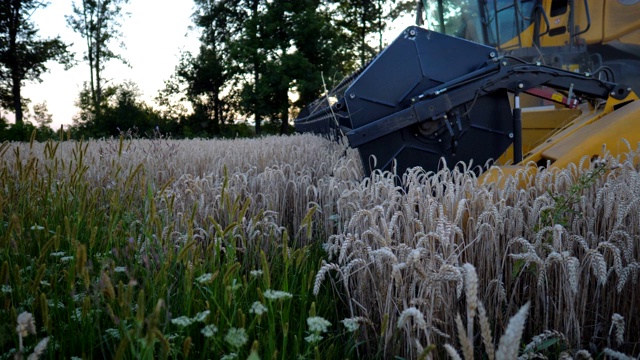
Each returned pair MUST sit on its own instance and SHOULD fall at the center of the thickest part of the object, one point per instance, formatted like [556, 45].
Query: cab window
[505, 19]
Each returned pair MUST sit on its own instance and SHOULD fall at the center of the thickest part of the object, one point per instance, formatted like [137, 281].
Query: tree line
[259, 62]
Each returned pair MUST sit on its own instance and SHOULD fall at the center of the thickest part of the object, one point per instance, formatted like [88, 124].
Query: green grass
[108, 270]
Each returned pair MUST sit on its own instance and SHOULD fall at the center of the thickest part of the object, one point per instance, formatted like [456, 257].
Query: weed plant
[164, 249]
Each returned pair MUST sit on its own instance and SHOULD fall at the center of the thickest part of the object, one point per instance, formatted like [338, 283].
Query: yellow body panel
[619, 19]
[611, 20]
[591, 135]
[538, 124]
[596, 11]
[613, 132]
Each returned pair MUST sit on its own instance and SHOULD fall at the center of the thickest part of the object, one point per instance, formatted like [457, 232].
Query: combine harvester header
[430, 96]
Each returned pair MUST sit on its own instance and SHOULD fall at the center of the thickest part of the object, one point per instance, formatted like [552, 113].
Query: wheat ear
[485, 331]
[510, 341]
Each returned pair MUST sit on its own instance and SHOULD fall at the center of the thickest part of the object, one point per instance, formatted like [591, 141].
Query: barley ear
[510, 340]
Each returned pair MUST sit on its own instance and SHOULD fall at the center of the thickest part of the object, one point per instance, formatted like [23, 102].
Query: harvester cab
[430, 96]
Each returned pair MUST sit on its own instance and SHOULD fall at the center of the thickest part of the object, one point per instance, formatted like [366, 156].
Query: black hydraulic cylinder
[517, 130]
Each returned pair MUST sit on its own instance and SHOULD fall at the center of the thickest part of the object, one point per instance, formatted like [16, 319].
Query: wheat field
[427, 264]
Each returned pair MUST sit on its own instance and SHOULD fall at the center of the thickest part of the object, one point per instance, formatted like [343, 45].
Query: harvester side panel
[481, 135]
[416, 61]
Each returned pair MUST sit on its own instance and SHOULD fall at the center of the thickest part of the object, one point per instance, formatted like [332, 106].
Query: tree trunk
[88, 35]
[14, 66]
[97, 65]
[217, 114]
[256, 66]
[17, 99]
[284, 126]
[98, 86]
[256, 78]
[258, 121]
[92, 83]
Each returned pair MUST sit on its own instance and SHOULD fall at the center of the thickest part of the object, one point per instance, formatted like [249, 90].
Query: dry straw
[566, 246]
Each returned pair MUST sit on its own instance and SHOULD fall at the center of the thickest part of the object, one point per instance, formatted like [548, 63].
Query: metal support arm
[505, 74]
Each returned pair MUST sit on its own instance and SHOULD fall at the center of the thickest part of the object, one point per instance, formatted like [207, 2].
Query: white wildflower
[204, 278]
[236, 337]
[28, 302]
[277, 294]
[55, 304]
[57, 254]
[120, 269]
[209, 330]
[231, 356]
[182, 321]
[37, 227]
[351, 324]
[318, 324]
[6, 289]
[114, 333]
[256, 273]
[202, 316]
[313, 338]
[257, 308]
[234, 286]
[66, 259]
[7, 355]
[77, 315]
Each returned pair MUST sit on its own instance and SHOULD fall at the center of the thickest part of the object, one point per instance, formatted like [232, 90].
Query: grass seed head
[26, 324]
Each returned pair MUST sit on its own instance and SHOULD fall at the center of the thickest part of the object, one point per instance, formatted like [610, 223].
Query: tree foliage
[259, 60]
[265, 59]
[122, 111]
[23, 55]
[256, 52]
[97, 21]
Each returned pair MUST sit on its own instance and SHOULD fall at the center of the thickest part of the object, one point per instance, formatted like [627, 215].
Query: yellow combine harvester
[511, 81]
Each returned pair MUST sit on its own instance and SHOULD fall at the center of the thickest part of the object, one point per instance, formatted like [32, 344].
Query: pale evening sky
[154, 34]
